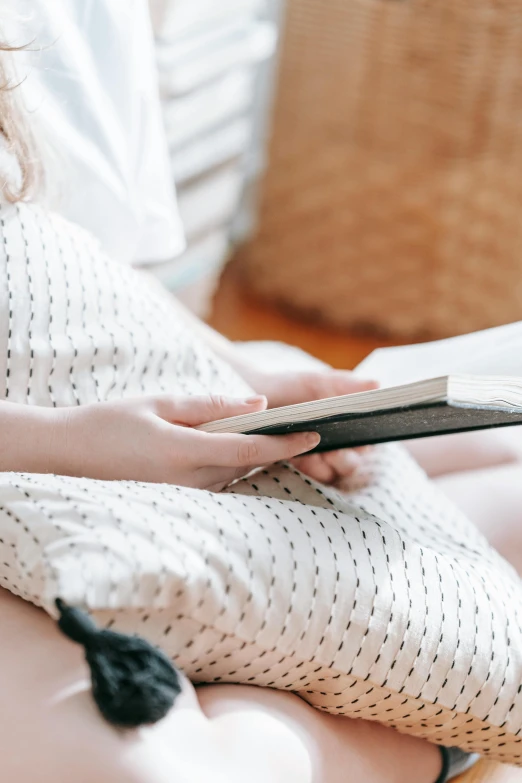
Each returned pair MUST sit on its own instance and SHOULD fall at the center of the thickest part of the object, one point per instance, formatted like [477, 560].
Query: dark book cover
[413, 421]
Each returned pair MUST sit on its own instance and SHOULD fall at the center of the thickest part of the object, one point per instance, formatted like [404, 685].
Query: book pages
[495, 351]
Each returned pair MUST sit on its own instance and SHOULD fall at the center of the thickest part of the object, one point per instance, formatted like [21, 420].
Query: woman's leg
[482, 473]
[446, 454]
[50, 730]
[492, 499]
[341, 749]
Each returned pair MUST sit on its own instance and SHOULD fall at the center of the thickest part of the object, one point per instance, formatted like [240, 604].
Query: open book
[468, 394]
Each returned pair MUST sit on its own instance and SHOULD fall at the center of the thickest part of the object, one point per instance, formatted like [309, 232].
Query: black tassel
[133, 683]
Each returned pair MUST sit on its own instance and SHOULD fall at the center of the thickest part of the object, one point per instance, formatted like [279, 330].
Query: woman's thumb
[193, 411]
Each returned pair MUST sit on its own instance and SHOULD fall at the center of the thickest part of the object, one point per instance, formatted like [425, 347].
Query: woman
[222, 732]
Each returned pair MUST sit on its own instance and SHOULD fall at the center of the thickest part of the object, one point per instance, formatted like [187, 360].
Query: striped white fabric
[378, 602]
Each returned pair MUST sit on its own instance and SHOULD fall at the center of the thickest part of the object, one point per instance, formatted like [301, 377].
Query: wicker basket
[393, 198]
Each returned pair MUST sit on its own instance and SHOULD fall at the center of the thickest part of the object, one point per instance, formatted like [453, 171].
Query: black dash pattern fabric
[378, 600]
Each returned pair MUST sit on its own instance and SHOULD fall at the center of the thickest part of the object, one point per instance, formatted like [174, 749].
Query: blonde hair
[16, 134]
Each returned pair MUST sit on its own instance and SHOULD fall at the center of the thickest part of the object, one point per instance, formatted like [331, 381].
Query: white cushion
[380, 602]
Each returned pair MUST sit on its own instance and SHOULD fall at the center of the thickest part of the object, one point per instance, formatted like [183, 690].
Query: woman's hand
[152, 439]
[293, 387]
[288, 388]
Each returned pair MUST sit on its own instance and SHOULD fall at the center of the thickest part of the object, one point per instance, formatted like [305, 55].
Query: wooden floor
[240, 316]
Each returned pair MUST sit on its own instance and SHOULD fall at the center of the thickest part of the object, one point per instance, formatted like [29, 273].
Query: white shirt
[90, 85]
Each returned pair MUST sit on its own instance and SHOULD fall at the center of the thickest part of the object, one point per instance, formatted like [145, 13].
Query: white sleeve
[92, 91]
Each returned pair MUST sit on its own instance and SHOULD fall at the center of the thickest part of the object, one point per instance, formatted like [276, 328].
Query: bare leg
[340, 749]
[446, 454]
[492, 499]
[482, 473]
[50, 730]
[234, 733]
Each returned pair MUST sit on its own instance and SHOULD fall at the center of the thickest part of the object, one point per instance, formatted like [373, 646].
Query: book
[478, 385]
[454, 403]
[496, 351]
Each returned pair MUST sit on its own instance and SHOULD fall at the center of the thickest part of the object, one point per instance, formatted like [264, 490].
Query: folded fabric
[184, 19]
[211, 200]
[223, 146]
[209, 108]
[251, 45]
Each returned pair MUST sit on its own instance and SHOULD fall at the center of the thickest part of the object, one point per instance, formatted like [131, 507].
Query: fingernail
[255, 400]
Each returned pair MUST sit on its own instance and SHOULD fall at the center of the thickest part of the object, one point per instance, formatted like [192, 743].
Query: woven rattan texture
[394, 192]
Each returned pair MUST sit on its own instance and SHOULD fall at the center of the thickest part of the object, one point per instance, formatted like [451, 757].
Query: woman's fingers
[319, 385]
[316, 467]
[331, 465]
[193, 411]
[292, 387]
[249, 451]
[343, 461]
[240, 453]
[226, 456]
[338, 382]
